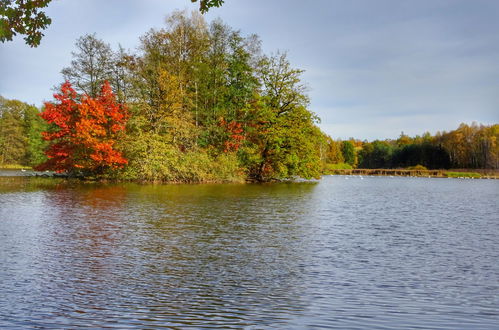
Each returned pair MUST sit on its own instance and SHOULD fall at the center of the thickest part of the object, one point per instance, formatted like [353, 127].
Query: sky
[374, 69]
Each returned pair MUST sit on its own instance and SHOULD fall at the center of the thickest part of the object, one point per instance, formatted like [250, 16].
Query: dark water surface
[346, 252]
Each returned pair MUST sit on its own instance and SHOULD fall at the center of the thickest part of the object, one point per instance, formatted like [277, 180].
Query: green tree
[20, 133]
[92, 64]
[12, 139]
[377, 154]
[286, 140]
[334, 154]
[34, 125]
[226, 82]
[348, 151]
[163, 82]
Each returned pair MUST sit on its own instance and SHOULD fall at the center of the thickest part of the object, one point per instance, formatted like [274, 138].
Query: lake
[345, 252]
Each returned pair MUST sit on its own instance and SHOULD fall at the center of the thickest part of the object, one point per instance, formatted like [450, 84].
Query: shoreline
[459, 174]
[452, 173]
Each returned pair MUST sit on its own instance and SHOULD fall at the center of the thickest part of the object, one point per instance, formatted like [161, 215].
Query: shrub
[418, 168]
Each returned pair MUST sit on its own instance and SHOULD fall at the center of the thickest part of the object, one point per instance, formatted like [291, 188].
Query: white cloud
[374, 68]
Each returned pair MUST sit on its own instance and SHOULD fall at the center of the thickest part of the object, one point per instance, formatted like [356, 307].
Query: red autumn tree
[83, 131]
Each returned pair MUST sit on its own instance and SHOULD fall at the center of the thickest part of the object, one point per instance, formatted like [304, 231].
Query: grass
[14, 167]
[473, 175]
[339, 166]
[332, 168]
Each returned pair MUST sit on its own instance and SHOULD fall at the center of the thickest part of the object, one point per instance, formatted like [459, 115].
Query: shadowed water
[346, 252]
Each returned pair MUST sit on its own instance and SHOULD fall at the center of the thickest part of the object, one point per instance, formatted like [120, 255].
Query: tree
[333, 152]
[377, 154]
[285, 141]
[24, 17]
[122, 63]
[12, 139]
[348, 151]
[281, 83]
[164, 79]
[225, 82]
[20, 128]
[83, 132]
[403, 140]
[92, 64]
[33, 126]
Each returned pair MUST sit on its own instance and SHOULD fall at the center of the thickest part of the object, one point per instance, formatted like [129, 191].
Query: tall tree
[13, 141]
[281, 84]
[226, 82]
[333, 152]
[348, 151]
[286, 137]
[92, 64]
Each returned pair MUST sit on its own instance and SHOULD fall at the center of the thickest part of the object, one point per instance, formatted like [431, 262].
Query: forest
[472, 146]
[197, 102]
[200, 102]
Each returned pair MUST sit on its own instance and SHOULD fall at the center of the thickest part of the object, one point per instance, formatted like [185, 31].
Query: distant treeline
[469, 146]
[20, 134]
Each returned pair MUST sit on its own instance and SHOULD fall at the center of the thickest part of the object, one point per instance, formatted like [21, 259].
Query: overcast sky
[374, 68]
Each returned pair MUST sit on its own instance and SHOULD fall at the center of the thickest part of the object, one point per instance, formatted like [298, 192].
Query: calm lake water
[345, 252]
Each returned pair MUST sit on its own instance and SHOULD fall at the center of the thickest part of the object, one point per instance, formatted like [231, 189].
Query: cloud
[374, 68]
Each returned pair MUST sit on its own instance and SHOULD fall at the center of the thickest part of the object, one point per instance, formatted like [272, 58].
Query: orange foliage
[84, 131]
[235, 132]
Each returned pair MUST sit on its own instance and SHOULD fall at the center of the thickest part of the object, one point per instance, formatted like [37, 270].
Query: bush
[152, 158]
[418, 168]
[226, 168]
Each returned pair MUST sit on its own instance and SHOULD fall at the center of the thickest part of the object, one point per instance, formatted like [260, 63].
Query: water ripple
[373, 253]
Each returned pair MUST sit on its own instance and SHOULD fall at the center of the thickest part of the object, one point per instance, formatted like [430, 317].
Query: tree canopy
[83, 131]
[204, 105]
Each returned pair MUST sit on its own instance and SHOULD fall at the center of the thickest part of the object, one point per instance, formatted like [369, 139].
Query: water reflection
[191, 255]
[366, 253]
[198, 267]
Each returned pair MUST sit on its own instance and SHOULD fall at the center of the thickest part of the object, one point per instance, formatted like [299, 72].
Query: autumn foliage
[235, 135]
[83, 131]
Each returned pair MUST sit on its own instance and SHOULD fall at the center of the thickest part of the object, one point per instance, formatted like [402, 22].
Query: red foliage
[235, 135]
[84, 131]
